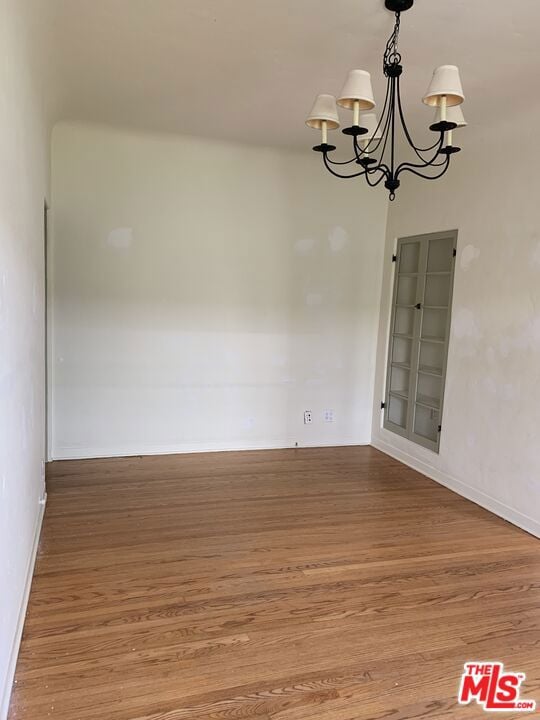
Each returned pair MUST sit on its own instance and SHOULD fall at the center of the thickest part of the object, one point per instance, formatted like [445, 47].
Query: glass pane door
[433, 342]
[419, 333]
[404, 332]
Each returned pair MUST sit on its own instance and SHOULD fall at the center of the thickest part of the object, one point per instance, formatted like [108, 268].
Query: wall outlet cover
[308, 417]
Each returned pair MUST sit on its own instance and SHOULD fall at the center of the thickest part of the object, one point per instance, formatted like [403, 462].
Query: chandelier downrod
[374, 141]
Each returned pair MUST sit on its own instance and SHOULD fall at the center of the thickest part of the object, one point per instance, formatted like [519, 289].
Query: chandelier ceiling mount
[399, 5]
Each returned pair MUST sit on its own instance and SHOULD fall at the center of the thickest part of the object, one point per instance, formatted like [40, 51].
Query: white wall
[24, 142]
[490, 449]
[206, 294]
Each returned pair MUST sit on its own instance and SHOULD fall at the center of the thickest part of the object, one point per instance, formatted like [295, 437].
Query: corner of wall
[476, 496]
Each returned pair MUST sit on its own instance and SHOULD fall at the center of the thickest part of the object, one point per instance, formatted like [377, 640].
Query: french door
[419, 334]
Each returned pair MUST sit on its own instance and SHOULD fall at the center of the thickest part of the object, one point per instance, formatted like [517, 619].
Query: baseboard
[6, 690]
[96, 453]
[517, 518]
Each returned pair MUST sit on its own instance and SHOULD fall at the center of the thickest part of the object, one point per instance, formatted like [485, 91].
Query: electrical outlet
[308, 417]
[329, 416]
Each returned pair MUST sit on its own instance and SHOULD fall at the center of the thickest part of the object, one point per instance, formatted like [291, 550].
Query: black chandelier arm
[417, 150]
[342, 162]
[338, 175]
[421, 166]
[386, 135]
[359, 152]
[384, 175]
[426, 163]
[415, 168]
[369, 149]
[404, 168]
[383, 119]
[382, 167]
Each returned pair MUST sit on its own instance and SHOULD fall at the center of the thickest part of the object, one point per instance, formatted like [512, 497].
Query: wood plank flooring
[328, 584]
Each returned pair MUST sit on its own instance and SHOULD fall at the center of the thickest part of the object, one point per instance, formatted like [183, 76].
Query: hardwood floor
[334, 584]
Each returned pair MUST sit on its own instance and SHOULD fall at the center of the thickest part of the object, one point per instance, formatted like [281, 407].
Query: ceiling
[248, 70]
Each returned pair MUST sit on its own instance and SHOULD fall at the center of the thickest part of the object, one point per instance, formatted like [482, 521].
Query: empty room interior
[269, 359]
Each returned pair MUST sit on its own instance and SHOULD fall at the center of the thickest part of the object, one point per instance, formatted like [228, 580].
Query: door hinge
[439, 428]
[394, 258]
[454, 252]
[383, 405]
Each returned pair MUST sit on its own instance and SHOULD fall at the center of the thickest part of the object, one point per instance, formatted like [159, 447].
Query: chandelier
[373, 140]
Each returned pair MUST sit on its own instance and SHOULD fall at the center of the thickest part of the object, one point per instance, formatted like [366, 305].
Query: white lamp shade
[370, 122]
[445, 81]
[324, 109]
[453, 114]
[357, 88]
